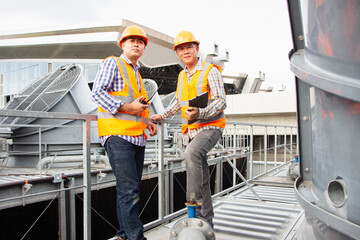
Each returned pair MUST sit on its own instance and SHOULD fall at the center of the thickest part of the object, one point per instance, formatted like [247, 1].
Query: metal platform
[240, 215]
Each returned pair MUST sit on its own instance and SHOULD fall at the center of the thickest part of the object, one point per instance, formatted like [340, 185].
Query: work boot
[192, 202]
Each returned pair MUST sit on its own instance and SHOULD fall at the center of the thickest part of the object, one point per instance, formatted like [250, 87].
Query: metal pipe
[166, 150]
[70, 159]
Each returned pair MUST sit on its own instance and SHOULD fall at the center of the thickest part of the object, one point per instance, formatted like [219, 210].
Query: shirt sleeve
[103, 84]
[171, 110]
[217, 91]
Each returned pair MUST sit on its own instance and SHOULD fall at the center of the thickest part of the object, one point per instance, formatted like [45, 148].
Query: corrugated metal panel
[246, 219]
[268, 193]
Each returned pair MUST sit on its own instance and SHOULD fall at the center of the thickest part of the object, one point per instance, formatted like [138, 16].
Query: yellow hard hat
[184, 37]
[134, 30]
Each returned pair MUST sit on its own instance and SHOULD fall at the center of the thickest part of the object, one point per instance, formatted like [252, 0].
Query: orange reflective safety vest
[124, 123]
[186, 91]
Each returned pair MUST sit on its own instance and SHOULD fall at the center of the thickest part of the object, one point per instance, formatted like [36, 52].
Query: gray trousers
[197, 171]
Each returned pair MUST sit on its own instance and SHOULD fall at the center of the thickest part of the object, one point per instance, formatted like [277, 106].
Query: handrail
[49, 115]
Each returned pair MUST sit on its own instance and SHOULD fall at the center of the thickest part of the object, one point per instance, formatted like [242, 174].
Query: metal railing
[265, 148]
[237, 141]
[86, 119]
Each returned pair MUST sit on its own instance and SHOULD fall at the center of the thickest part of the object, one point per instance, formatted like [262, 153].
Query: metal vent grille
[43, 94]
[254, 220]
[268, 193]
[167, 101]
[150, 86]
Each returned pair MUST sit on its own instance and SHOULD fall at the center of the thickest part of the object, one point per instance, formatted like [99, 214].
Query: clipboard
[200, 101]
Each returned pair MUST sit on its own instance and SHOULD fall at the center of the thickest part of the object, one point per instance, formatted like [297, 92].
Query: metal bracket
[26, 187]
[242, 178]
[57, 178]
[100, 176]
[151, 167]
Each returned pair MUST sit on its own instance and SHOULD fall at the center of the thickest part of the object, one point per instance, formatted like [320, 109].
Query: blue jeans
[127, 161]
[197, 171]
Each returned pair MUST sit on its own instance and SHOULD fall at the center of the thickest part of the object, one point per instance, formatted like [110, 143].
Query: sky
[255, 32]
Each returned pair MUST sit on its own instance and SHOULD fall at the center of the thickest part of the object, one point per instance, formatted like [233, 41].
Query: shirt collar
[198, 67]
[137, 67]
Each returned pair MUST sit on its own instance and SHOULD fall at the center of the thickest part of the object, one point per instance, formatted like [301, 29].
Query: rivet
[307, 170]
[200, 224]
[184, 224]
[174, 234]
[305, 118]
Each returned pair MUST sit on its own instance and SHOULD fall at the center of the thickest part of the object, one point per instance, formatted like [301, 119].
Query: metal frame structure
[237, 142]
[86, 152]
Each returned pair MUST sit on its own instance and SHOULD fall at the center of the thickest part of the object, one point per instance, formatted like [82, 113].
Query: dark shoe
[192, 202]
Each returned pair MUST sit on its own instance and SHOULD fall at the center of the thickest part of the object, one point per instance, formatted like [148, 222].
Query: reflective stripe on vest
[186, 91]
[123, 123]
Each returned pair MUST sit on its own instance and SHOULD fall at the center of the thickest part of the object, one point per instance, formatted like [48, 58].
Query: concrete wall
[261, 103]
[274, 108]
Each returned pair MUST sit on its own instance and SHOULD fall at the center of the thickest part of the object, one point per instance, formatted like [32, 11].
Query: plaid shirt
[216, 88]
[108, 79]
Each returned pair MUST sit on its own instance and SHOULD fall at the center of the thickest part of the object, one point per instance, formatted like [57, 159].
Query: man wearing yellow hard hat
[202, 124]
[123, 116]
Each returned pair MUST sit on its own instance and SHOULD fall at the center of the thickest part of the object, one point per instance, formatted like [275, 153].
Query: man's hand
[135, 107]
[152, 128]
[192, 113]
[156, 118]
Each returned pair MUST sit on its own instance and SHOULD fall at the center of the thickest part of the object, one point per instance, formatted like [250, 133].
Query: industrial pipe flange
[192, 229]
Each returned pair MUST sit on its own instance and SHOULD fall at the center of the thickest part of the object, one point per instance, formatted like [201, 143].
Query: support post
[62, 215]
[275, 147]
[218, 178]
[171, 190]
[235, 141]
[251, 151]
[161, 193]
[285, 144]
[265, 150]
[87, 180]
[72, 211]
